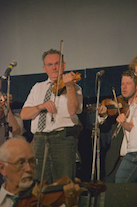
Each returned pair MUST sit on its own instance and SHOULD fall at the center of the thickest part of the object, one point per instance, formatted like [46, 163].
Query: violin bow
[114, 93]
[119, 125]
[60, 62]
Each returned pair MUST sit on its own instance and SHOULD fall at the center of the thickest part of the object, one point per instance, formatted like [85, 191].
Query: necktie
[14, 199]
[42, 117]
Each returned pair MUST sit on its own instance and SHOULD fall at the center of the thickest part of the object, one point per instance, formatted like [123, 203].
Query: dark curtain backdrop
[21, 85]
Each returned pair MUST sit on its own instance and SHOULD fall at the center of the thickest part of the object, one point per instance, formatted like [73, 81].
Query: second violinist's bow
[119, 125]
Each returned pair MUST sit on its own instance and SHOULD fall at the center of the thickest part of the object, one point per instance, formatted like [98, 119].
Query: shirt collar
[49, 81]
[3, 193]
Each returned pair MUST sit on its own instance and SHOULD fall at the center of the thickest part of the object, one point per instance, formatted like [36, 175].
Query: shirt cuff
[101, 120]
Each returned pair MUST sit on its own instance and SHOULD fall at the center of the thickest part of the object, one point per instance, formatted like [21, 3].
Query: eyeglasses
[20, 164]
[50, 65]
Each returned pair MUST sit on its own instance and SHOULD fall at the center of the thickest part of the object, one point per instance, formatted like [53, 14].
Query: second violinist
[127, 171]
[123, 145]
[60, 133]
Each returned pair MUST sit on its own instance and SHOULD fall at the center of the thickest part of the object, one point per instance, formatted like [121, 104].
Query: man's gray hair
[51, 52]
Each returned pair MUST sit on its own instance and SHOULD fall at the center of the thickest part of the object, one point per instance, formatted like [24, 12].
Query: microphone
[100, 73]
[8, 70]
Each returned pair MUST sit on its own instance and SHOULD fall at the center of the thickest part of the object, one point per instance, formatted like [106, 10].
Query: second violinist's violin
[112, 106]
[61, 85]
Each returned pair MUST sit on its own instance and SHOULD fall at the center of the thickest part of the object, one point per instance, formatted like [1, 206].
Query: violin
[111, 105]
[3, 99]
[53, 195]
[61, 86]
[112, 108]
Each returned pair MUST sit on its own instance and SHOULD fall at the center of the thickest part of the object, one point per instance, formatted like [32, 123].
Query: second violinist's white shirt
[61, 118]
[130, 145]
[132, 142]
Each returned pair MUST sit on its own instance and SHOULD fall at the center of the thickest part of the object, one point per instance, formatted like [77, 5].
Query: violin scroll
[95, 188]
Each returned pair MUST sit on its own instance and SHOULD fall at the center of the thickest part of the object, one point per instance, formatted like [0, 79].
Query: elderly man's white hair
[4, 149]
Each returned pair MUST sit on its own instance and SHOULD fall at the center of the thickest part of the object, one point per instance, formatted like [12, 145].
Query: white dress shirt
[130, 144]
[5, 201]
[62, 117]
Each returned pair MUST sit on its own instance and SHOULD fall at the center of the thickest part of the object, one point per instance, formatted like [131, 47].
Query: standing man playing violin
[17, 164]
[61, 132]
[127, 171]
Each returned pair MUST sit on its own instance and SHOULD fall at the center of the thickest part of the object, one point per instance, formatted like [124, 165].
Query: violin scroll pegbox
[77, 77]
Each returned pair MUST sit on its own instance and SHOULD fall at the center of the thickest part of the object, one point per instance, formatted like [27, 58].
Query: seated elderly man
[17, 164]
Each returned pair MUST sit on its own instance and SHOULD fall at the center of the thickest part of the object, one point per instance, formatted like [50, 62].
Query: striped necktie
[42, 116]
[14, 199]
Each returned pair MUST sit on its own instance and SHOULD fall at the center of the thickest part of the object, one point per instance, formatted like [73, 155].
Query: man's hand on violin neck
[102, 110]
[68, 79]
[72, 192]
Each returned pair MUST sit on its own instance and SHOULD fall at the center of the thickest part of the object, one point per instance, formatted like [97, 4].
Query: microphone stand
[7, 110]
[96, 148]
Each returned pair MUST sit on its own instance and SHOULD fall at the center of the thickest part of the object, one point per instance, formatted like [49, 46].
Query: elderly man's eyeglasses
[20, 164]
